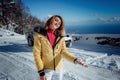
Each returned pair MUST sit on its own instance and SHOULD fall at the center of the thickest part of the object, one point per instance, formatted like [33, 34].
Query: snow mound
[17, 61]
[7, 37]
[7, 33]
[109, 62]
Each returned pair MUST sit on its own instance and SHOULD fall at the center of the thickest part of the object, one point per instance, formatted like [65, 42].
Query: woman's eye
[56, 20]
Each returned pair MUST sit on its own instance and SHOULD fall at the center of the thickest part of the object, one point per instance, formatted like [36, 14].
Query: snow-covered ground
[17, 62]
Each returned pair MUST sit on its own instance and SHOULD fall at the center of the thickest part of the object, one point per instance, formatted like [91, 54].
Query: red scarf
[52, 37]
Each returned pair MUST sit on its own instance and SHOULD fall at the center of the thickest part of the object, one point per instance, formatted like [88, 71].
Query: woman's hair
[60, 31]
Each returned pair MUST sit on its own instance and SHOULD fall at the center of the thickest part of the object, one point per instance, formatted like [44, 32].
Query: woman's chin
[54, 28]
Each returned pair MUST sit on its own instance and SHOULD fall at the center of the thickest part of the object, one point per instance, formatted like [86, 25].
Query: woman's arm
[71, 57]
[37, 55]
[66, 54]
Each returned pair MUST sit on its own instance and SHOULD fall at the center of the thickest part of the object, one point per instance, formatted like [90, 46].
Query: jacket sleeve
[66, 54]
[37, 54]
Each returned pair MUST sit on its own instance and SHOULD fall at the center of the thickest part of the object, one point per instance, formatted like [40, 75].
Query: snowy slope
[7, 37]
[17, 62]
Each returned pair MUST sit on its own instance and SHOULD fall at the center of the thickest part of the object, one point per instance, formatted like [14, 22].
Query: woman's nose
[56, 24]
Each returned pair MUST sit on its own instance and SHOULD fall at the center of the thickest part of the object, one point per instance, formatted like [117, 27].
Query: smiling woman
[50, 48]
[56, 22]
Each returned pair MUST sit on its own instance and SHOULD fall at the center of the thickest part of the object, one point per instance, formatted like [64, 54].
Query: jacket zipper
[54, 59]
[53, 49]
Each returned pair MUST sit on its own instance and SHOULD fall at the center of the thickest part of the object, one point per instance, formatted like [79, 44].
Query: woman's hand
[43, 77]
[81, 62]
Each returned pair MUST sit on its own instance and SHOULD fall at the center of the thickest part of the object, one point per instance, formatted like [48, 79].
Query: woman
[50, 48]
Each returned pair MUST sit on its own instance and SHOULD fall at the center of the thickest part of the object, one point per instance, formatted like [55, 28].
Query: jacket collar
[51, 31]
[43, 32]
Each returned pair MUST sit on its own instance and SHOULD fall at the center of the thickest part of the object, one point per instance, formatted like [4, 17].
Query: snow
[17, 62]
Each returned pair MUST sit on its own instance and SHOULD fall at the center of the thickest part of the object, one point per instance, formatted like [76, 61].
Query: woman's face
[55, 23]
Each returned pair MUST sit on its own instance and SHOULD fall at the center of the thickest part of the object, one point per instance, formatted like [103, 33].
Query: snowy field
[17, 62]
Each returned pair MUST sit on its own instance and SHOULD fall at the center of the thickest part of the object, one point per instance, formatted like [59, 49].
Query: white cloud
[101, 20]
[110, 20]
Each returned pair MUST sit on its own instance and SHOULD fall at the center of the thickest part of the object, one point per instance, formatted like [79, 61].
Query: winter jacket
[48, 58]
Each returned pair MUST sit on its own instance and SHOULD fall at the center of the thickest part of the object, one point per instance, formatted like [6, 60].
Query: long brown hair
[61, 30]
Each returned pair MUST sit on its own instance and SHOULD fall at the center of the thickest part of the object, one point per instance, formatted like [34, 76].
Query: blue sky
[76, 12]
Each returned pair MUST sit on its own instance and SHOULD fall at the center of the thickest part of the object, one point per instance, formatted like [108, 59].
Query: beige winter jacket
[47, 58]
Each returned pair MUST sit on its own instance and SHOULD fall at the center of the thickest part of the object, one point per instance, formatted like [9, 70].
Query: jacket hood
[40, 30]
